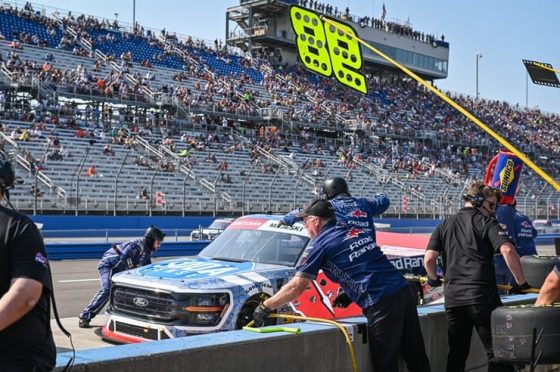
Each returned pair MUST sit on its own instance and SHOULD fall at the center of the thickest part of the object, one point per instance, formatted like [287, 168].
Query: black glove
[435, 282]
[342, 300]
[260, 315]
[519, 288]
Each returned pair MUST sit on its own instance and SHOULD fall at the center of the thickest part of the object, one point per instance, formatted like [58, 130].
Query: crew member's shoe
[84, 323]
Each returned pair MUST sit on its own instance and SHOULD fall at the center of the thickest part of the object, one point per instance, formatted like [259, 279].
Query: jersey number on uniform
[324, 49]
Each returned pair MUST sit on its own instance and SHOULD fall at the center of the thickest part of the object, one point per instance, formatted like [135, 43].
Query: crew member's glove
[342, 300]
[435, 282]
[260, 315]
[519, 288]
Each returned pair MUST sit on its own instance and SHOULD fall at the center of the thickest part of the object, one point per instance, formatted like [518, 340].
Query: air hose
[297, 317]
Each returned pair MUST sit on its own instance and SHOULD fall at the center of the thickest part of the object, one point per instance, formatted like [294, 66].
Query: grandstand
[211, 129]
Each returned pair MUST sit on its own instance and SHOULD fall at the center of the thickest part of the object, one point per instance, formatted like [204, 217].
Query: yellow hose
[338, 325]
[342, 329]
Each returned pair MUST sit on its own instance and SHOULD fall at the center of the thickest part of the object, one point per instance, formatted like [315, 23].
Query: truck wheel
[246, 313]
[512, 333]
[537, 268]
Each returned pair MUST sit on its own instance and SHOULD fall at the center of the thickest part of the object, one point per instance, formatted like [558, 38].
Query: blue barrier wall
[119, 222]
[57, 222]
[67, 251]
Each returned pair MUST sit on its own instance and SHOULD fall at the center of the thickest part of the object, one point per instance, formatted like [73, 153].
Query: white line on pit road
[78, 280]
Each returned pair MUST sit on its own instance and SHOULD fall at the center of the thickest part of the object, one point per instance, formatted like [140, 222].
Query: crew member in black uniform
[467, 242]
[26, 340]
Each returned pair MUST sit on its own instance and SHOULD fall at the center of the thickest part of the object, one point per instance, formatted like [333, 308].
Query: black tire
[245, 315]
[537, 268]
[512, 333]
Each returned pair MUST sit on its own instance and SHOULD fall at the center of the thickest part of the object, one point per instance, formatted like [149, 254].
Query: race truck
[212, 231]
[218, 289]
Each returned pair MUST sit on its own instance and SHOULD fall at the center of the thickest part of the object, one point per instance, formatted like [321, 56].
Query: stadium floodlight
[478, 57]
[542, 73]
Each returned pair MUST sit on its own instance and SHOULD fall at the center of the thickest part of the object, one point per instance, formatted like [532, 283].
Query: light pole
[133, 16]
[478, 56]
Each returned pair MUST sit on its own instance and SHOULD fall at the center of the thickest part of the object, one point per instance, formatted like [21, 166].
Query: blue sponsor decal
[194, 268]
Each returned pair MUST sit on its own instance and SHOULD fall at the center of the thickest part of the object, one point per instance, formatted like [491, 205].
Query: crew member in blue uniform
[521, 232]
[349, 256]
[550, 291]
[525, 234]
[134, 253]
[355, 212]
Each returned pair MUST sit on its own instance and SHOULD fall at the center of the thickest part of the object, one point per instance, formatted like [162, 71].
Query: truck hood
[198, 273]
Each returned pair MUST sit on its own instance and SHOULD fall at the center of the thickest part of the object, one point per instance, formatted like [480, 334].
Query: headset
[477, 199]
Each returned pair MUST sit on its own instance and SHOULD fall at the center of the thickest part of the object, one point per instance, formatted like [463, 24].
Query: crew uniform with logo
[134, 253]
[354, 212]
[350, 257]
[525, 235]
[27, 344]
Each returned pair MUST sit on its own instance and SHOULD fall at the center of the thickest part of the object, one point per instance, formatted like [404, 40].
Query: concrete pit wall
[319, 348]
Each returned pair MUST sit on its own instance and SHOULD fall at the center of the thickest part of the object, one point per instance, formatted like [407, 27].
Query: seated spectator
[143, 194]
[108, 150]
[24, 136]
[91, 171]
[36, 192]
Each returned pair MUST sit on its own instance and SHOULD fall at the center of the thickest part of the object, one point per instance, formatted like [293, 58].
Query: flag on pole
[383, 12]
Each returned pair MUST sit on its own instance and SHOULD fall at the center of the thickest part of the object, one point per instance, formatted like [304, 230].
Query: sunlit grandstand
[105, 118]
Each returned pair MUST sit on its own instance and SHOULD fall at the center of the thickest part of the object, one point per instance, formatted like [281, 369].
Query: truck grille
[144, 304]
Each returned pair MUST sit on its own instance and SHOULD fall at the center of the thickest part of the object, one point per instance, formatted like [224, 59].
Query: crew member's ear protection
[476, 199]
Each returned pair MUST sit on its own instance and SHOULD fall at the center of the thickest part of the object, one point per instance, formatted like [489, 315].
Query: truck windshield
[257, 246]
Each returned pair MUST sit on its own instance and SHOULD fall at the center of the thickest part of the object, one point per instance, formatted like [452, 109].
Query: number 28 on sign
[326, 49]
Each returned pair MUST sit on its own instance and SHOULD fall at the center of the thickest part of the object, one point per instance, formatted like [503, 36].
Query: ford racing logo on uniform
[140, 301]
[353, 233]
[526, 224]
[357, 213]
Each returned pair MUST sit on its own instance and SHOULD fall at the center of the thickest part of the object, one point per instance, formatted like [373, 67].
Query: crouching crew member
[134, 253]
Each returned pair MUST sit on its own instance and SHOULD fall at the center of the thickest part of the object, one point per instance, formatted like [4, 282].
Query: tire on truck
[537, 268]
[512, 333]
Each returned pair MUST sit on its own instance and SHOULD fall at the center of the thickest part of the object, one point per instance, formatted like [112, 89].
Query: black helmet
[7, 174]
[154, 233]
[334, 186]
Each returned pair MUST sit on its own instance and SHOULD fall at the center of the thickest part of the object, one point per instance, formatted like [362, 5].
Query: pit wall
[319, 348]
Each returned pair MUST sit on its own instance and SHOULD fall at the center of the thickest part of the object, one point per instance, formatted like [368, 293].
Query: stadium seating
[399, 139]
